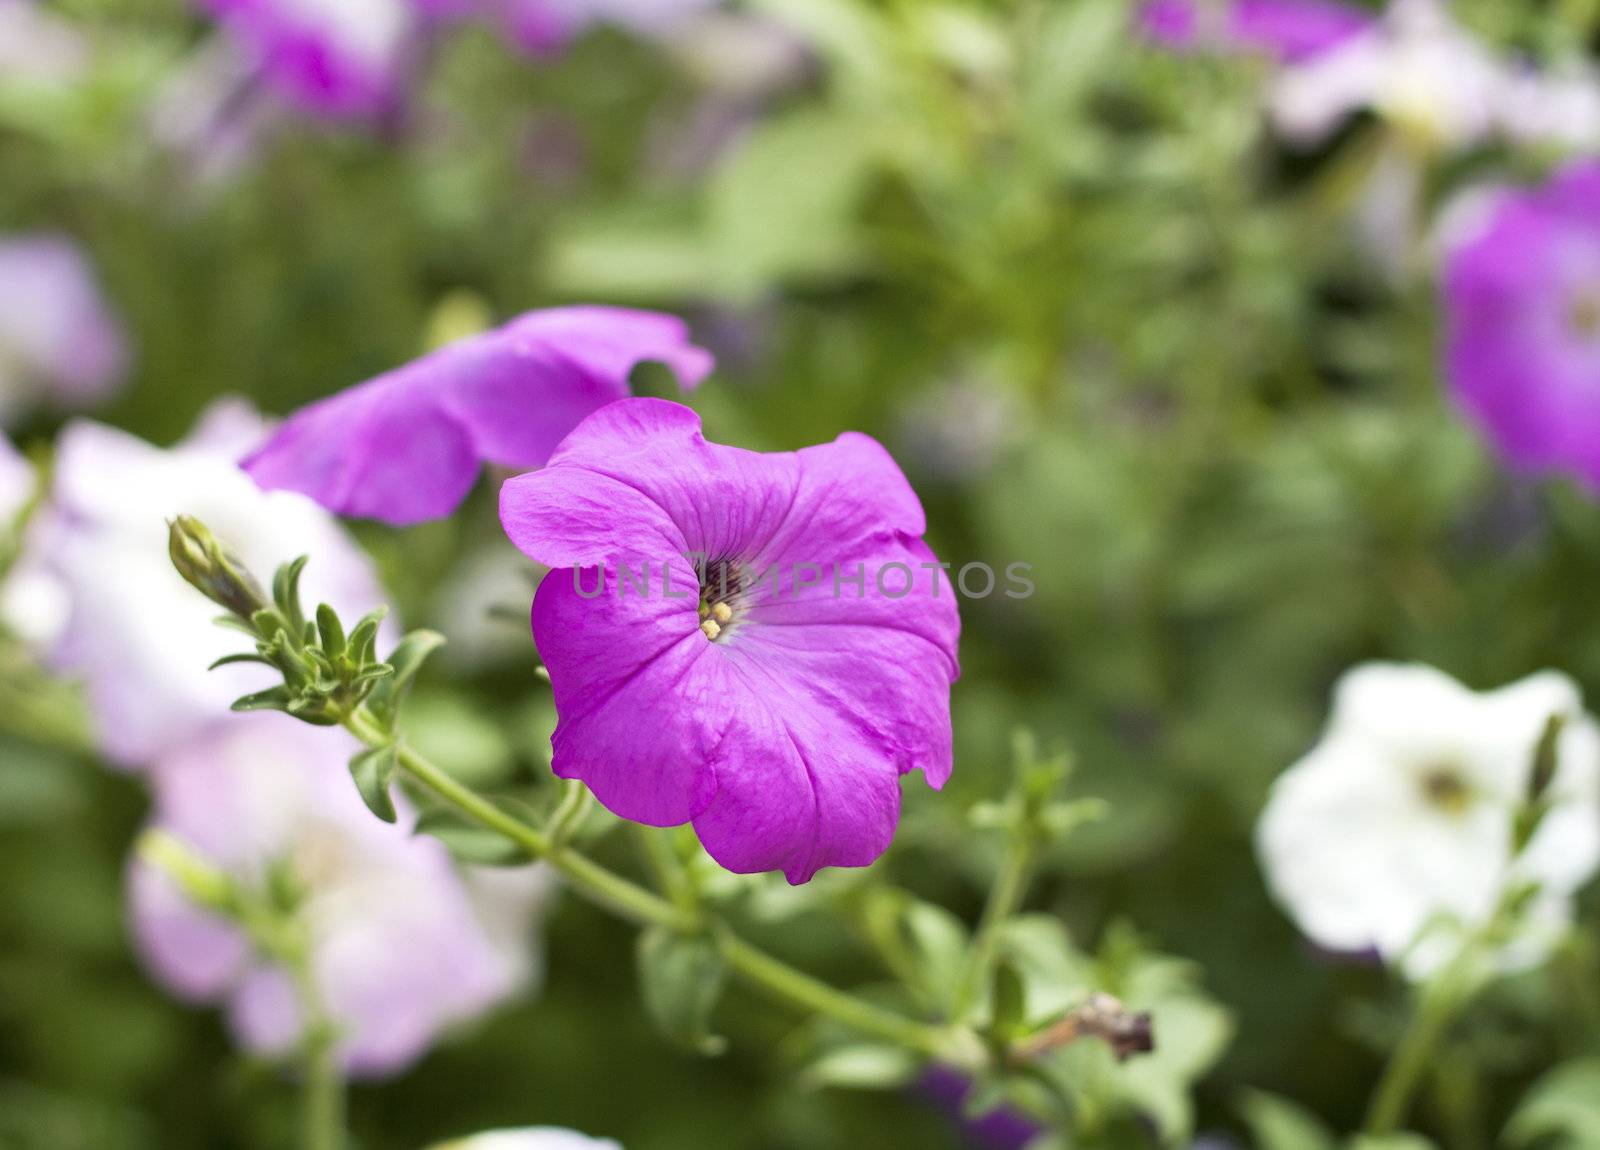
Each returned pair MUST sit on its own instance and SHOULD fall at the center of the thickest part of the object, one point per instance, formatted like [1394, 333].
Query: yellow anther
[710, 629]
[722, 612]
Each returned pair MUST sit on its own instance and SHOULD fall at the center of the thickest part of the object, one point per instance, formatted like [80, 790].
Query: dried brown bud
[1102, 1017]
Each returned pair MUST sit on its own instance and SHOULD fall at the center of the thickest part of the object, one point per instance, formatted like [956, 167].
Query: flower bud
[211, 568]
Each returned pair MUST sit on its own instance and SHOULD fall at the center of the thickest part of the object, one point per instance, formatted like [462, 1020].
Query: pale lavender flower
[60, 342]
[402, 946]
[38, 47]
[132, 630]
[1418, 70]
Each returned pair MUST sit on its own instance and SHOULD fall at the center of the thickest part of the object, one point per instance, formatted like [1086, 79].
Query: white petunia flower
[531, 1138]
[1394, 833]
[1417, 69]
[96, 590]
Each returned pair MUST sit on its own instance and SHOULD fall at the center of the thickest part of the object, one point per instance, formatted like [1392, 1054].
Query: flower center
[721, 583]
[1445, 789]
[1583, 313]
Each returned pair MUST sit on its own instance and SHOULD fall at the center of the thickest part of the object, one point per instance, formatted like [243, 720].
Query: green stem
[630, 901]
[784, 982]
[666, 869]
[322, 1112]
[612, 891]
[1005, 897]
[1413, 1058]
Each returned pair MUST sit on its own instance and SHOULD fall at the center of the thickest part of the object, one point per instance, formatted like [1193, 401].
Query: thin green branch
[630, 901]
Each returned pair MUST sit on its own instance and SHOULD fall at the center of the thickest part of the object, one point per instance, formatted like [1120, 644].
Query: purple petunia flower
[406, 446]
[403, 946]
[59, 339]
[1003, 1128]
[773, 688]
[1287, 30]
[339, 59]
[1522, 343]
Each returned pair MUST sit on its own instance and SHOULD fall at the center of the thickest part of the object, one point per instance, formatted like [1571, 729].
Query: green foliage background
[1108, 327]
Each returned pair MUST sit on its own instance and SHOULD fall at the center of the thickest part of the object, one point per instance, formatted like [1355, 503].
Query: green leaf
[1010, 1013]
[681, 977]
[229, 660]
[1278, 1124]
[406, 659]
[272, 699]
[330, 630]
[286, 591]
[468, 842]
[373, 771]
[364, 637]
[1562, 1107]
[1391, 1142]
[862, 1067]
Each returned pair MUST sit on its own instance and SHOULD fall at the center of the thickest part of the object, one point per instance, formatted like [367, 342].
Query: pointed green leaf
[862, 1067]
[286, 592]
[1010, 1002]
[272, 699]
[681, 977]
[330, 630]
[373, 771]
[242, 657]
[363, 638]
[406, 659]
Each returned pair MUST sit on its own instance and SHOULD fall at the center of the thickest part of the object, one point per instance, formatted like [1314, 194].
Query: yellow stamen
[710, 629]
[721, 612]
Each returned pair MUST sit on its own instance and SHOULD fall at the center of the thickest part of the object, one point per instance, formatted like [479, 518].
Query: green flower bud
[212, 569]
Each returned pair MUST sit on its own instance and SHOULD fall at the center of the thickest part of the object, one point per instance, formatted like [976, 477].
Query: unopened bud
[211, 568]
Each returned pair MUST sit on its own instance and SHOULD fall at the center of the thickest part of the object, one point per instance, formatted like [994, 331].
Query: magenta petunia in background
[60, 341]
[403, 945]
[340, 59]
[407, 446]
[771, 690]
[1287, 30]
[1522, 318]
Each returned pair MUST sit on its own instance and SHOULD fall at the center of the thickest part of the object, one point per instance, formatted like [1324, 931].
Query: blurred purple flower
[1003, 1128]
[403, 947]
[340, 59]
[773, 712]
[407, 446]
[1286, 30]
[59, 340]
[136, 634]
[1522, 304]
